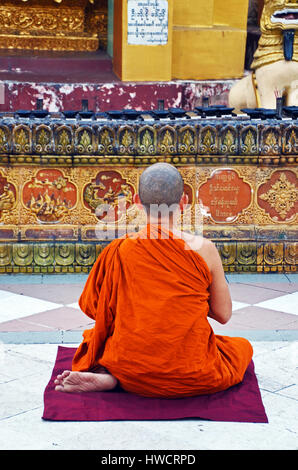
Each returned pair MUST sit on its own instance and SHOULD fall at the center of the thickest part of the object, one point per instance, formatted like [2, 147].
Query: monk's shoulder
[209, 246]
[204, 247]
[211, 255]
[197, 242]
[109, 250]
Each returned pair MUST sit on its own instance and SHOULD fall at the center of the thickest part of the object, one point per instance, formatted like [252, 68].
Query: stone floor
[37, 313]
[45, 308]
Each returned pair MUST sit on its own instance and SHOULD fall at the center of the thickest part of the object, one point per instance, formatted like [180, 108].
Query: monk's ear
[183, 201]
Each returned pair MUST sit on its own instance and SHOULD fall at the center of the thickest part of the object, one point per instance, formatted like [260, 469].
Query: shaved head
[160, 184]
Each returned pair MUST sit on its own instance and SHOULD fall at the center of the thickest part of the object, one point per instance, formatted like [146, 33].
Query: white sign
[148, 22]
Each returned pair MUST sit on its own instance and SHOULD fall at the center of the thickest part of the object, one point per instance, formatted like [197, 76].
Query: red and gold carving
[52, 211]
[49, 195]
[8, 195]
[279, 196]
[108, 196]
[225, 195]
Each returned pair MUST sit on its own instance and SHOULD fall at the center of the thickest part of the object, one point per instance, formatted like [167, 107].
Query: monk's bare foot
[73, 381]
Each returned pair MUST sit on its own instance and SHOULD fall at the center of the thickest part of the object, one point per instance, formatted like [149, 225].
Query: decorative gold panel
[240, 179]
[49, 25]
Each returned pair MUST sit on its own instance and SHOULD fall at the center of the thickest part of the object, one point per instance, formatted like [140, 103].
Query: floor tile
[262, 318]
[292, 325]
[62, 318]
[269, 384]
[16, 366]
[266, 348]
[9, 279]
[285, 303]
[23, 325]
[293, 277]
[22, 406]
[16, 404]
[43, 279]
[58, 293]
[4, 295]
[14, 306]
[276, 369]
[275, 286]
[282, 411]
[232, 325]
[259, 277]
[64, 279]
[291, 392]
[238, 305]
[253, 294]
[74, 305]
[36, 352]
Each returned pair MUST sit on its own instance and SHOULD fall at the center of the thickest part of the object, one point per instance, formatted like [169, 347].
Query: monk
[150, 294]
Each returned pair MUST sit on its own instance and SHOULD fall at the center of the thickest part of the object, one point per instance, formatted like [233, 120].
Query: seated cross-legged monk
[150, 294]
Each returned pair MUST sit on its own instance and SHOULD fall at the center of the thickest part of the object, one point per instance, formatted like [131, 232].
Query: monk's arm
[220, 301]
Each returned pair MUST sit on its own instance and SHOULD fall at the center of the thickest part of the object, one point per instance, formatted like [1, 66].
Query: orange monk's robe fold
[149, 299]
[96, 302]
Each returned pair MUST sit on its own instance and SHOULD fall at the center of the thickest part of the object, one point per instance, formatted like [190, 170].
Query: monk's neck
[164, 223]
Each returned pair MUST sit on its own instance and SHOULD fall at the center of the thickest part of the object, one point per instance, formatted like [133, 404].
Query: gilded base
[241, 256]
[46, 43]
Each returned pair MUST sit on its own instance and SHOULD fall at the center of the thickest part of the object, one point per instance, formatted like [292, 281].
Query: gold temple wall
[55, 173]
[206, 40]
[140, 62]
[200, 43]
[48, 219]
[209, 39]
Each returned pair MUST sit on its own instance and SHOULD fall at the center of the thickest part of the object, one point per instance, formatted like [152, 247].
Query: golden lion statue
[275, 64]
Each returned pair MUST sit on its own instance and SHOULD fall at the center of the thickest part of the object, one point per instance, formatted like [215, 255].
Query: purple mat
[241, 403]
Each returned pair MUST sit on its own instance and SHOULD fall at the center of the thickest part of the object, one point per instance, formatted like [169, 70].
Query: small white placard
[148, 22]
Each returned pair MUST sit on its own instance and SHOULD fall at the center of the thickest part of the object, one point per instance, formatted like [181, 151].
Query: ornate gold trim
[59, 25]
[262, 217]
[237, 256]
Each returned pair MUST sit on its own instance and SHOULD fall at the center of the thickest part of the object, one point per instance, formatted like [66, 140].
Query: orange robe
[149, 300]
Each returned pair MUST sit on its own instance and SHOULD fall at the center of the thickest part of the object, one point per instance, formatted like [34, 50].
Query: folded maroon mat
[242, 402]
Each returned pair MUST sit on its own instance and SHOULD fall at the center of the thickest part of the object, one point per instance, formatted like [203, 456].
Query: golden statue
[275, 64]
[7, 199]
